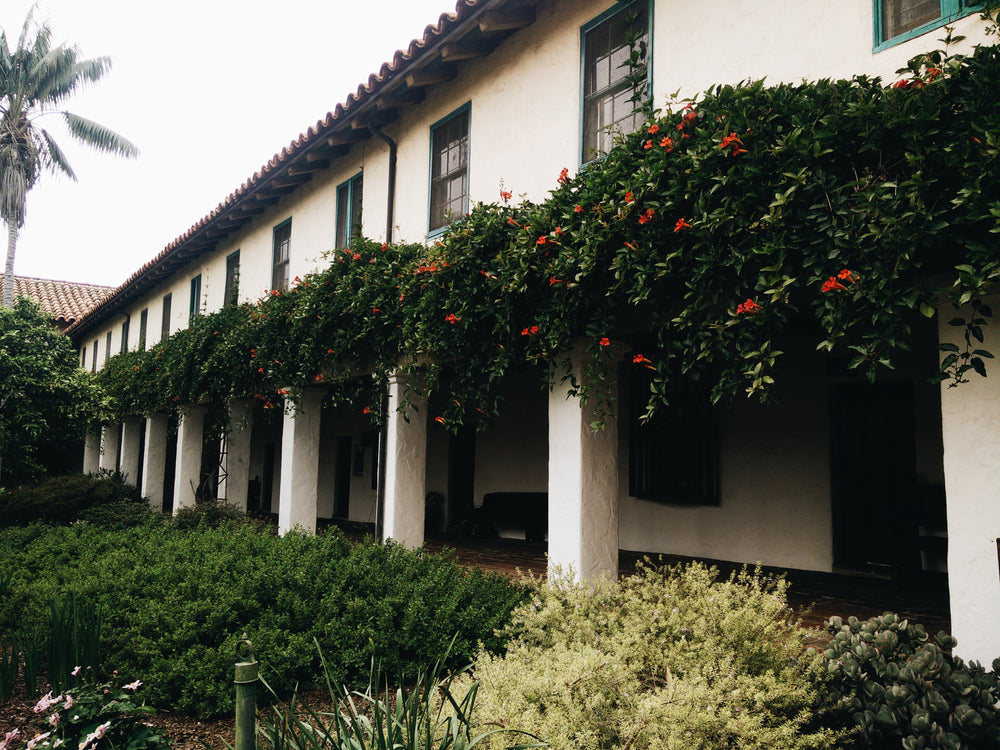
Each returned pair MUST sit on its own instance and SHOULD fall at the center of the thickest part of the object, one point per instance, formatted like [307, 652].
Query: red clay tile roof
[65, 301]
[289, 168]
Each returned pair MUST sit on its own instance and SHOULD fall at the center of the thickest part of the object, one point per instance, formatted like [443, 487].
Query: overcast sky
[208, 90]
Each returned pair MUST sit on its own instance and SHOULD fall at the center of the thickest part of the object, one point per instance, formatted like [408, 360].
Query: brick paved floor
[818, 596]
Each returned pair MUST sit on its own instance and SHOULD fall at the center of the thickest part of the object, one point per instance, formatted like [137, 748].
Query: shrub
[211, 514]
[65, 499]
[175, 603]
[904, 690]
[667, 657]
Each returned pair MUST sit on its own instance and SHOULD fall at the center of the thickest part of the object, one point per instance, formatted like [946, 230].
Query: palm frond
[100, 137]
[55, 159]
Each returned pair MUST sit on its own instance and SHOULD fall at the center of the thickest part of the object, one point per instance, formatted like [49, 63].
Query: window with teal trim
[281, 255]
[349, 210]
[194, 306]
[449, 169]
[614, 76]
[899, 20]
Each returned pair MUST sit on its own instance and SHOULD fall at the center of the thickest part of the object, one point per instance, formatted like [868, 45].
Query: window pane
[609, 98]
[449, 184]
[900, 16]
[282, 248]
[343, 200]
[165, 321]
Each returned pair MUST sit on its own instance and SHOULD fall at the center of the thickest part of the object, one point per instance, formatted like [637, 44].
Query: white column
[583, 483]
[92, 452]
[154, 459]
[131, 448]
[190, 434]
[109, 446]
[298, 487]
[405, 468]
[233, 487]
[970, 425]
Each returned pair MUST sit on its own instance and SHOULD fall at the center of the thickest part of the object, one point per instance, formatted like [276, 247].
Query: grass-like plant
[426, 715]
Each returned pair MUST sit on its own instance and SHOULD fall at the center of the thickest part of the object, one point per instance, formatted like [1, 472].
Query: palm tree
[35, 79]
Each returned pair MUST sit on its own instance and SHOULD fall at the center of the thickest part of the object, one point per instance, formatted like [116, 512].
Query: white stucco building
[503, 94]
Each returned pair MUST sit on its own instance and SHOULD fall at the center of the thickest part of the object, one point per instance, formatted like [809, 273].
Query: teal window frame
[950, 10]
[281, 256]
[437, 229]
[349, 210]
[194, 306]
[587, 29]
[124, 342]
[231, 294]
[143, 325]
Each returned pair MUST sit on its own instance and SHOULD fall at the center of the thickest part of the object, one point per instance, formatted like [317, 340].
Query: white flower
[102, 729]
[76, 671]
[8, 737]
[36, 739]
[46, 702]
[133, 685]
[54, 719]
[69, 702]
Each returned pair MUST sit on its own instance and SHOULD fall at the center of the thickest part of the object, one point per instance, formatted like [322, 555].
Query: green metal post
[246, 695]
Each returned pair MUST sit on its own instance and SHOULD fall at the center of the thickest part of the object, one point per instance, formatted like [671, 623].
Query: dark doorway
[461, 475]
[170, 466]
[342, 477]
[874, 476]
[267, 494]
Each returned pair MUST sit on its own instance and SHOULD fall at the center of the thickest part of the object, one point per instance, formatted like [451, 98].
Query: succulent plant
[901, 688]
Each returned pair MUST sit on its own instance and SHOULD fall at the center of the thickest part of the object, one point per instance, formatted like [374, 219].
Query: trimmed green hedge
[104, 499]
[175, 602]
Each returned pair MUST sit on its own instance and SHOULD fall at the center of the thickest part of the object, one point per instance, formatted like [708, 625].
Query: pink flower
[76, 670]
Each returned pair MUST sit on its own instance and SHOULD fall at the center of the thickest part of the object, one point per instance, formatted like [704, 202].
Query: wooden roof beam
[465, 51]
[442, 74]
[495, 21]
[309, 167]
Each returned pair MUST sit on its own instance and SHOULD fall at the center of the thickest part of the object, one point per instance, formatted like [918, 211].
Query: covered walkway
[818, 596]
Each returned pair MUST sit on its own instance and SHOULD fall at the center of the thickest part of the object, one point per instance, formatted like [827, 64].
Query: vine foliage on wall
[843, 208]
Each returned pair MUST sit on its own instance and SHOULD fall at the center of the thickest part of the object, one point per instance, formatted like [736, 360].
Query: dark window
[107, 346]
[143, 324]
[282, 246]
[93, 361]
[124, 346]
[349, 210]
[165, 320]
[449, 169]
[83, 357]
[232, 291]
[194, 306]
[673, 457]
[908, 18]
[614, 76]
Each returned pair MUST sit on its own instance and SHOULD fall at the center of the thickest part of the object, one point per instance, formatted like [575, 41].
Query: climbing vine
[844, 209]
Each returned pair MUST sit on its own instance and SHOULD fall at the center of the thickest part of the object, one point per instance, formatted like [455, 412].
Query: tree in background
[46, 400]
[35, 79]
